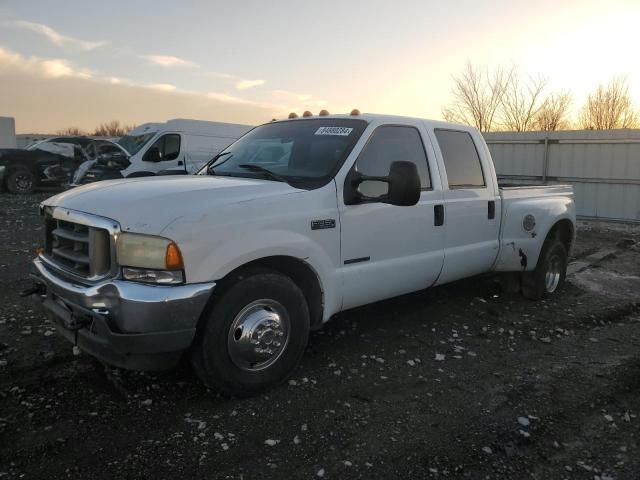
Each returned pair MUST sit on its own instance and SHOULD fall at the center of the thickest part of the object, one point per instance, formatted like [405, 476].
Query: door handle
[491, 212]
[438, 215]
[180, 162]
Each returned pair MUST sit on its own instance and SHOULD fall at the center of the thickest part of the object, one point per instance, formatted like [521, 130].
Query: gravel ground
[460, 381]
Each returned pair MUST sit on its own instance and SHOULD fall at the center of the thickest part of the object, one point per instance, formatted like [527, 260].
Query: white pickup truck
[294, 222]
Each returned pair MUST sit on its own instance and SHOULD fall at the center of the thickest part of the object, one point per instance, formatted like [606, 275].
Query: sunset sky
[80, 63]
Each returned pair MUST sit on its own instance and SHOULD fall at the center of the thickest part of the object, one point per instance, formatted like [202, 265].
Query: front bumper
[126, 324]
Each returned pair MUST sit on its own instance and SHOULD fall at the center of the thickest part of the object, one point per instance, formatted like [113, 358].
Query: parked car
[47, 163]
[176, 147]
[293, 223]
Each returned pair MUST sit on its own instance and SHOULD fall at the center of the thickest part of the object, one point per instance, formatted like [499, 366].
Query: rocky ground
[460, 381]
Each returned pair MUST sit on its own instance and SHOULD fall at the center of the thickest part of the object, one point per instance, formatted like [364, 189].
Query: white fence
[603, 167]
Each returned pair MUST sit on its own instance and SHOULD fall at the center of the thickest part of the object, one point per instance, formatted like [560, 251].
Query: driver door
[391, 250]
[164, 154]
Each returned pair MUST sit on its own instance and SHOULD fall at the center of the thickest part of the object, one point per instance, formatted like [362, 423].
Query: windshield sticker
[339, 131]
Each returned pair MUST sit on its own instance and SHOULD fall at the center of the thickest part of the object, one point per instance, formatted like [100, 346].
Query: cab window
[390, 144]
[168, 148]
[461, 159]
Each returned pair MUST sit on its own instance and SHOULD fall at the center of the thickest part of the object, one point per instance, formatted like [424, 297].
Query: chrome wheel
[553, 274]
[258, 335]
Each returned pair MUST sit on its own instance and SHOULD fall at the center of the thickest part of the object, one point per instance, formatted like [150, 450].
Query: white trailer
[7, 132]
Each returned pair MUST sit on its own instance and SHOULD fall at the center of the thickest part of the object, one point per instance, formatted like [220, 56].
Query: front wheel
[254, 336]
[550, 271]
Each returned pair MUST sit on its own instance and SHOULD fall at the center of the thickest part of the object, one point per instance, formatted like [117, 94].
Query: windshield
[293, 151]
[133, 143]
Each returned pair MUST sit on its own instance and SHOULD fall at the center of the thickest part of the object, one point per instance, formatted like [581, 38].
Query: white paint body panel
[222, 223]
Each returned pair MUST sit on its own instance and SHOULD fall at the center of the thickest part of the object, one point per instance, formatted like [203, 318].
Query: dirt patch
[459, 381]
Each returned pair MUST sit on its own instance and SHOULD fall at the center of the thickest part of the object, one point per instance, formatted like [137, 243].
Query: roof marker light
[323, 113]
[293, 115]
[307, 113]
[355, 112]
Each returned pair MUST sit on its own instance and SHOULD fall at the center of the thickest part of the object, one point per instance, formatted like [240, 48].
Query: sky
[80, 63]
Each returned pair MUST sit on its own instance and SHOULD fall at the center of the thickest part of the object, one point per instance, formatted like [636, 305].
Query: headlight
[145, 258]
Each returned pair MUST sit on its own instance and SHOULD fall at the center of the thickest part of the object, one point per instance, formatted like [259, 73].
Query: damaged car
[176, 147]
[48, 163]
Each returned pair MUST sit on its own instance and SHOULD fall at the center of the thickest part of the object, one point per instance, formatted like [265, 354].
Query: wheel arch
[563, 230]
[301, 272]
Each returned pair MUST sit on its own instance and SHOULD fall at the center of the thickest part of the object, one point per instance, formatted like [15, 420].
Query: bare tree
[477, 95]
[609, 107]
[521, 102]
[554, 112]
[112, 129]
[71, 131]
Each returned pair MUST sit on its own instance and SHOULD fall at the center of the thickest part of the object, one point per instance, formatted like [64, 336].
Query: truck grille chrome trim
[79, 245]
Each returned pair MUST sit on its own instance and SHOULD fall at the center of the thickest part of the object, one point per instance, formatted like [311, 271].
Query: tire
[223, 356]
[20, 181]
[550, 271]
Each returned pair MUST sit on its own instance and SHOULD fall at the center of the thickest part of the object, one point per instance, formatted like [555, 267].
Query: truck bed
[513, 191]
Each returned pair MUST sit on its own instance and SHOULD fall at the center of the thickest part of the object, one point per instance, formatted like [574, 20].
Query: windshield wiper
[213, 160]
[268, 173]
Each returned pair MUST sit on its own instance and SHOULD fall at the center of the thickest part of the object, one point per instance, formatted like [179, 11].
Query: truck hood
[149, 204]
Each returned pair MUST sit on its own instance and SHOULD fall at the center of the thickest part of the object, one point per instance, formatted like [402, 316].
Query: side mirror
[403, 186]
[152, 155]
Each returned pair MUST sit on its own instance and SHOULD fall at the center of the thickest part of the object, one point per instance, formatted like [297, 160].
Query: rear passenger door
[471, 203]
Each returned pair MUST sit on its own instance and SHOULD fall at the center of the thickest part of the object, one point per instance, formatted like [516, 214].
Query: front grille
[81, 249]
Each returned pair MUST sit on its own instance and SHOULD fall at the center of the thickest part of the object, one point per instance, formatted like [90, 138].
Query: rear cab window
[461, 159]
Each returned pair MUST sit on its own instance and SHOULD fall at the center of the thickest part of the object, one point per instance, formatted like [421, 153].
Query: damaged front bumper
[125, 324]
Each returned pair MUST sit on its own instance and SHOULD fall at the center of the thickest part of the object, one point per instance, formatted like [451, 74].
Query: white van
[178, 146]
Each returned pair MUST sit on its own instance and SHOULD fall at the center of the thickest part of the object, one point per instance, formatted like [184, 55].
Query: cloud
[164, 87]
[49, 94]
[226, 76]
[240, 83]
[247, 84]
[169, 61]
[56, 37]
[223, 97]
[62, 68]
[119, 81]
[49, 68]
